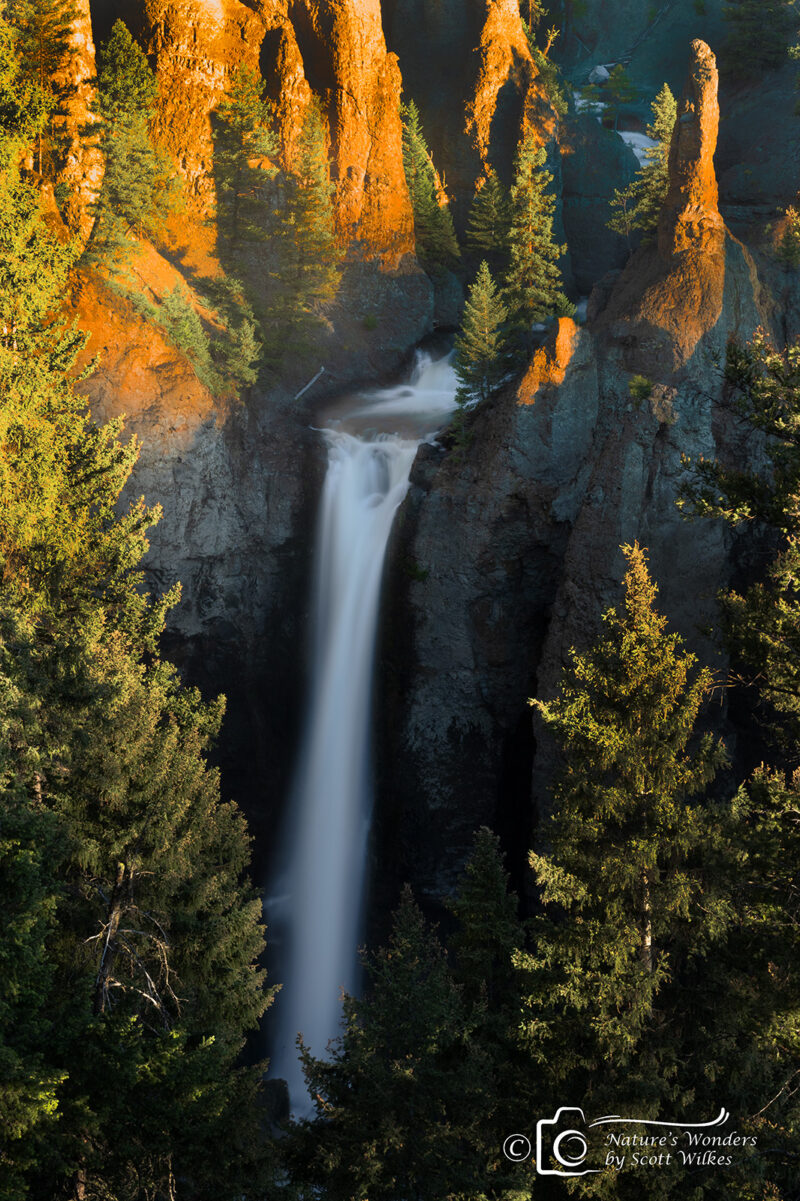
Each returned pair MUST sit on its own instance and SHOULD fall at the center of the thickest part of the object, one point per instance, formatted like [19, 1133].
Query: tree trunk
[122, 884]
[646, 949]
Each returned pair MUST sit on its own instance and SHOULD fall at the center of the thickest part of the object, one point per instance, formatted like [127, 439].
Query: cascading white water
[371, 449]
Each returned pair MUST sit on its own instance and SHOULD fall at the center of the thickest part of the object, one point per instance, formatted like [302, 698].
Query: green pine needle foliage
[244, 149]
[42, 30]
[436, 242]
[638, 206]
[480, 350]
[760, 36]
[533, 285]
[488, 224]
[131, 934]
[139, 189]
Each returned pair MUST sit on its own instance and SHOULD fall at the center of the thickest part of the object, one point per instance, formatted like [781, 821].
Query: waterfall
[371, 449]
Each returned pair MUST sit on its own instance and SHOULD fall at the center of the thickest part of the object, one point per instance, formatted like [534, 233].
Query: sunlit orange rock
[504, 61]
[333, 49]
[683, 292]
[549, 364]
[690, 217]
[82, 166]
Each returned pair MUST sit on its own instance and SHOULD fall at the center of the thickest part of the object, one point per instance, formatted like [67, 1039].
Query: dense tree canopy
[133, 933]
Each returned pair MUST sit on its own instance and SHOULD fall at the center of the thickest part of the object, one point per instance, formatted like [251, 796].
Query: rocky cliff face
[82, 168]
[559, 473]
[467, 65]
[333, 50]
[507, 552]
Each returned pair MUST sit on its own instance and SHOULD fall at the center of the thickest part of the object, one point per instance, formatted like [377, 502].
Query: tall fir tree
[308, 256]
[760, 36]
[244, 146]
[437, 245]
[43, 29]
[489, 218]
[480, 356]
[638, 206]
[134, 935]
[398, 1102]
[625, 825]
[139, 189]
[533, 286]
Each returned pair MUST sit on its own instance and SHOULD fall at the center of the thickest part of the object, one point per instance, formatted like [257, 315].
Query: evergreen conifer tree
[618, 93]
[760, 34]
[398, 1102]
[138, 191]
[480, 354]
[309, 254]
[243, 145]
[623, 831]
[488, 937]
[533, 286]
[437, 245]
[42, 29]
[638, 206]
[133, 937]
[761, 627]
[489, 218]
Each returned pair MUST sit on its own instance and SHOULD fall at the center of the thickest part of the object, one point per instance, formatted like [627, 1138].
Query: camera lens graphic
[570, 1148]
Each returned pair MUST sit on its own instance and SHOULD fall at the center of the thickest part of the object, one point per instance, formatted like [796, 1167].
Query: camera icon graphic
[563, 1139]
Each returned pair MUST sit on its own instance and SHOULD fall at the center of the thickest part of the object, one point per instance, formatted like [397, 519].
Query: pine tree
[533, 286]
[309, 257]
[760, 34]
[244, 144]
[623, 831]
[133, 938]
[638, 206]
[488, 937]
[43, 29]
[489, 218]
[618, 93]
[437, 245]
[480, 353]
[139, 190]
[399, 1101]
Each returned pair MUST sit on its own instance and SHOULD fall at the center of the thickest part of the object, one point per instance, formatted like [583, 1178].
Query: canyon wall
[515, 539]
[507, 550]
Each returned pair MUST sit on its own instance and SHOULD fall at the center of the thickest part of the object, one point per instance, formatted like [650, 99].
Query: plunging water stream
[371, 448]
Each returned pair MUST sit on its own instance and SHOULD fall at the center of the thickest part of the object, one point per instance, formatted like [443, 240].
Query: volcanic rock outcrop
[334, 50]
[558, 474]
[468, 67]
[678, 298]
